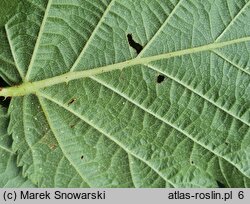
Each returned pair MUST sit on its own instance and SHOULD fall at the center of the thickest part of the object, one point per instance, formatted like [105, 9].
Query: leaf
[8, 70]
[7, 9]
[10, 174]
[80, 119]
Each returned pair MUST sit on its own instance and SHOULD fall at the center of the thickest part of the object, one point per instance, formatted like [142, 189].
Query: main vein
[32, 87]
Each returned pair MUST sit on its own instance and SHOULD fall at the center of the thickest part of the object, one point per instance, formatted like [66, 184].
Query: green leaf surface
[91, 112]
[7, 9]
[10, 174]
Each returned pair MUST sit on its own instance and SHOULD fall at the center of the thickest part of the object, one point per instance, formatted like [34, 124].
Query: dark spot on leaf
[220, 185]
[134, 44]
[192, 162]
[71, 101]
[72, 126]
[160, 78]
[52, 146]
[226, 143]
[82, 157]
[5, 102]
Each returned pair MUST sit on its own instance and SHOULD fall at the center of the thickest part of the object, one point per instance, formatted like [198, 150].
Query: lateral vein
[171, 125]
[107, 135]
[92, 36]
[60, 145]
[13, 53]
[38, 40]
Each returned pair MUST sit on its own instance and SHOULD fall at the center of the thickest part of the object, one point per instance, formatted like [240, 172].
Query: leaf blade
[10, 175]
[197, 109]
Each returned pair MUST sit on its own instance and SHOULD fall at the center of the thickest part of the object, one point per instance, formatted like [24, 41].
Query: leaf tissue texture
[10, 174]
[7, 9]
[89, 110]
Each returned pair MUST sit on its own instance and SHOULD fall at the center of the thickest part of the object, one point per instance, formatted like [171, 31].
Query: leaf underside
[7, 9]
[10, 174]
[127, 128]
